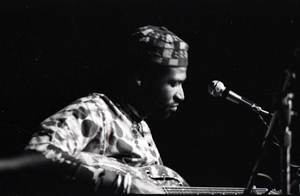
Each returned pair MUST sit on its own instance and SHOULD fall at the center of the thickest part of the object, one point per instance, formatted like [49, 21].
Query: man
[87, 142]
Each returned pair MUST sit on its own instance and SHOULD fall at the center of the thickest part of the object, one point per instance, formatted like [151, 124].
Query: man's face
[166, 92]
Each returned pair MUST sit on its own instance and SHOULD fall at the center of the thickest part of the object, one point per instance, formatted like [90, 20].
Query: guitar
[172, 183]
[169, 180]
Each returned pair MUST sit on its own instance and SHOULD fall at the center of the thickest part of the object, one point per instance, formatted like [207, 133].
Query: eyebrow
[171, 77]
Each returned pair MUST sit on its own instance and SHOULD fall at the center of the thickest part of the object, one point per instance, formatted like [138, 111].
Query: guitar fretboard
[209, 190]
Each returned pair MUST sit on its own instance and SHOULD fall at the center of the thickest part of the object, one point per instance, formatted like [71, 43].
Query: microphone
[217, 89]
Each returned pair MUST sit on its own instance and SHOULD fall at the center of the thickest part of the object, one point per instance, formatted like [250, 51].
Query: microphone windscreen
[216, 88]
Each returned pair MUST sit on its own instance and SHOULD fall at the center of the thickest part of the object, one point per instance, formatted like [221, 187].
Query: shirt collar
[129, 110]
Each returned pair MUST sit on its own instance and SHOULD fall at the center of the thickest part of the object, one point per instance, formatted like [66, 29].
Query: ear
[138, 81]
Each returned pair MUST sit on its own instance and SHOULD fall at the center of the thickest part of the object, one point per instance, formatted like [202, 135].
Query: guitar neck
[210, 191]
[169, 180]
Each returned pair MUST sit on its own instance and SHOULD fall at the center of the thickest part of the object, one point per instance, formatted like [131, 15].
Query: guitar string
[206, 190]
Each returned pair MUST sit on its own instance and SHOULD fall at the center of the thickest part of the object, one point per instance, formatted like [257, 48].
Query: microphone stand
[283, 113]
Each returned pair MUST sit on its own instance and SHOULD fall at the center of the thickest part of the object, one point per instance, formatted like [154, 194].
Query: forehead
[176, 73]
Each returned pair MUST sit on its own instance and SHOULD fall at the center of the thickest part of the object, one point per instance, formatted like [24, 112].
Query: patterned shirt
[92, 129]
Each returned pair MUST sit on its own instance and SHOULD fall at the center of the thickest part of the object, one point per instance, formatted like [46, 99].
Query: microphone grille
[216, 88]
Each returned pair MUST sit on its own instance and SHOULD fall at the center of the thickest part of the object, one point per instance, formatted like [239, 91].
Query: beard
[161, 113]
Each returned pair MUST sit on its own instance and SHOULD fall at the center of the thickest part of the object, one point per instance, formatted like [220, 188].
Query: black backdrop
[53, 52]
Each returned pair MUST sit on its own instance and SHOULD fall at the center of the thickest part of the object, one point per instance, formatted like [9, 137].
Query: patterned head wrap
[162, 46]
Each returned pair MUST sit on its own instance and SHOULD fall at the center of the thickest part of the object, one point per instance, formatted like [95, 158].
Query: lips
[174, 107]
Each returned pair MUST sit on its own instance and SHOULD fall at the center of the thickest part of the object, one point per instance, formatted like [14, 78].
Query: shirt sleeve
[63, 136]
[72, 128]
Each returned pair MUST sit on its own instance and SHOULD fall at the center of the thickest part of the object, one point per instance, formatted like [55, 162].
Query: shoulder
[98, 100]
[93, 105]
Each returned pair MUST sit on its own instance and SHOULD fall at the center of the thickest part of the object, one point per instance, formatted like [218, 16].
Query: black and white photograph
[110, 97]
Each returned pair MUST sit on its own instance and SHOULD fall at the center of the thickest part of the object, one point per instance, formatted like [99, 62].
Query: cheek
[166, 93]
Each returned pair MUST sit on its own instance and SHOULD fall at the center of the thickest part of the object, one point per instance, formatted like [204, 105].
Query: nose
[180, 93]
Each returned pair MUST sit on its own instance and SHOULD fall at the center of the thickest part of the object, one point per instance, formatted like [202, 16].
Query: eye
[174, 84]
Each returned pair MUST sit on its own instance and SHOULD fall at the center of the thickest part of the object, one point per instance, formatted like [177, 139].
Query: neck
[131, 105]
[132, 108]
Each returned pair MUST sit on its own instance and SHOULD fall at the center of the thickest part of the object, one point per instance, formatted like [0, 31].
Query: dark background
[53, 52]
